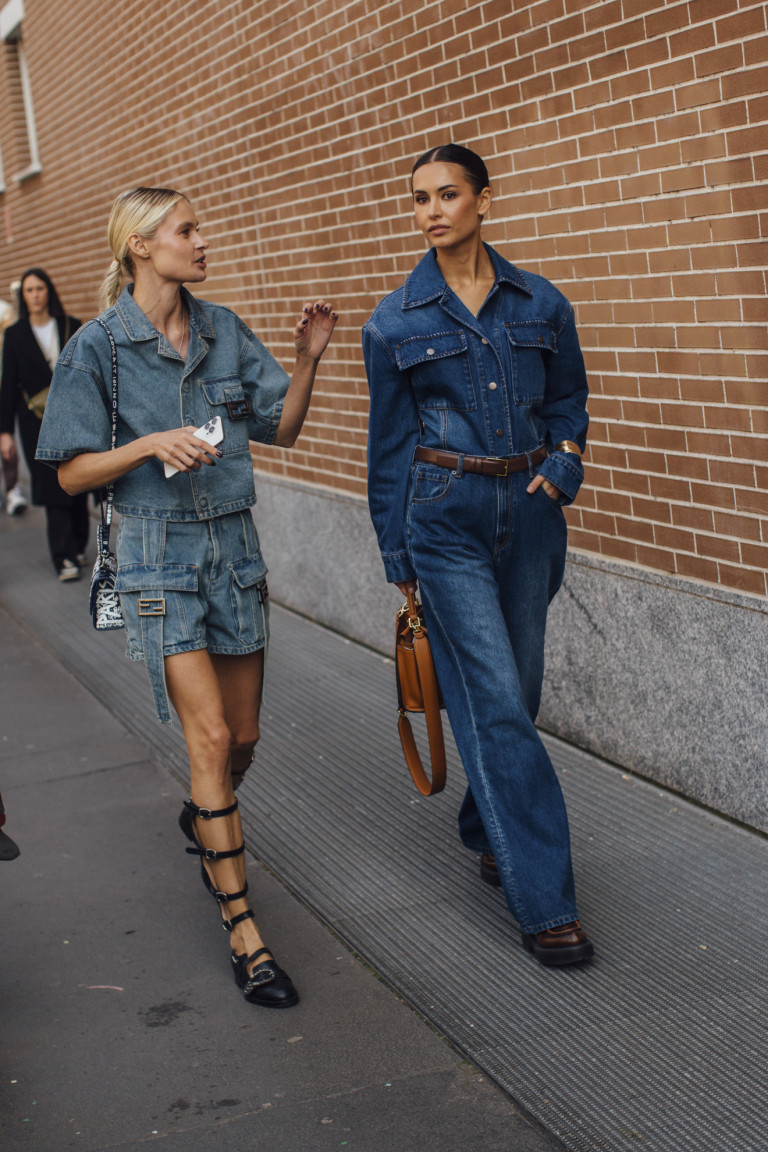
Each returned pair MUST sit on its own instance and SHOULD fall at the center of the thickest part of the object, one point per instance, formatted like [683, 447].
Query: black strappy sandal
[268, 985]
[187, 825]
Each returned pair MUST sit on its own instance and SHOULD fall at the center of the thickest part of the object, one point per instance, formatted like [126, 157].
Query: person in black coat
[30, 350]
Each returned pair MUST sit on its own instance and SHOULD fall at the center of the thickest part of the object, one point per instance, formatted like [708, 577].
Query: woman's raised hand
[313, 332]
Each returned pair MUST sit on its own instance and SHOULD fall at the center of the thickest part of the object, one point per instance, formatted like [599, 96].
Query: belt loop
[458, 471]
[152, 629]
[529, 458]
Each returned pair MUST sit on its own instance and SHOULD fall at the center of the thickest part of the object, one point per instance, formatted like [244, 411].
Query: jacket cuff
[398, 568]
[566, 471]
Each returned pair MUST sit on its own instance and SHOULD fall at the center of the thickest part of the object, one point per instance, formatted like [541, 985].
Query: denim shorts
[186, 586]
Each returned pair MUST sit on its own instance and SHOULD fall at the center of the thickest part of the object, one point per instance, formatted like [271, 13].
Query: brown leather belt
[485, 465]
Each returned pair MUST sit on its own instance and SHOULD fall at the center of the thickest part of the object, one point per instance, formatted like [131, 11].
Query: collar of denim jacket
[138, 327]
[427, 283]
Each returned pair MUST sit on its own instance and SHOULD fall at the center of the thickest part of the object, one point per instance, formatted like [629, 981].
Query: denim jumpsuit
[190, 570]
[488, 556]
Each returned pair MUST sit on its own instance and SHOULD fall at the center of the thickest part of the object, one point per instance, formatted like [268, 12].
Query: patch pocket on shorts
[250, 599]
[158, 590]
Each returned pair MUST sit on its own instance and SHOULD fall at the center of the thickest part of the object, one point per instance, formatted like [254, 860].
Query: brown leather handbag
[418, 691]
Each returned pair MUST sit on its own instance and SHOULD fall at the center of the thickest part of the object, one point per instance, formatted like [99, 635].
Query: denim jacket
[500, 384]
[228, 372]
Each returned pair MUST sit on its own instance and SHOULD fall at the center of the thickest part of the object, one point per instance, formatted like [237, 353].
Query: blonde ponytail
[140, 211]
[111, 286]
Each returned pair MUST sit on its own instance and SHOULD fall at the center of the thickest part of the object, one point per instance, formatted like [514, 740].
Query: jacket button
[499, 431]
[483, 340]
[541, 339]
[430, 351]
[493, 385]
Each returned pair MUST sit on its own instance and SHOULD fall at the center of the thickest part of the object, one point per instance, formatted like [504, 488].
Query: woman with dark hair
[191, 577]
[31, 348]
[477, 426]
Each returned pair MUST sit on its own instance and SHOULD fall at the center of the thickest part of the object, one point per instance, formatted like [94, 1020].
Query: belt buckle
[500, 460]
[151, 606]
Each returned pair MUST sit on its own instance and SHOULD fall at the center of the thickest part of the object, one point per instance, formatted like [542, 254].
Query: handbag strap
[431, 697]
[106, 519]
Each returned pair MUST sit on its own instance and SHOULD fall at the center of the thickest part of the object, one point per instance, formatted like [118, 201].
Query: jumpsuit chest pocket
[225, 397]
[530, 344]
[439, 369]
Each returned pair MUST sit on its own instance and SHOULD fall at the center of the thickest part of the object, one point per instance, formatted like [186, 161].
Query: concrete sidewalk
[658, 1043]
[121, 1025]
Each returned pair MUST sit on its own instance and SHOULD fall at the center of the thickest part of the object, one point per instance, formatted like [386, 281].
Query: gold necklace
[180, 348]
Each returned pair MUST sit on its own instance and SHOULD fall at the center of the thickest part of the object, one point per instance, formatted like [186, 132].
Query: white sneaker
[69, 571]
[15, 501]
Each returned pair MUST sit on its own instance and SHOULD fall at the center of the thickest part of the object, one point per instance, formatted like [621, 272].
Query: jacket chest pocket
[225, 397]
[439, 370]
[530, 345]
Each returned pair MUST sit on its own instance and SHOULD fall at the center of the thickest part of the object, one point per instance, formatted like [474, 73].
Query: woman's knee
[244, 741]
[211, 741]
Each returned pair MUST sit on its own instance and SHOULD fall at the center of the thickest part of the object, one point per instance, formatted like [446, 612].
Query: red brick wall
[627, 141]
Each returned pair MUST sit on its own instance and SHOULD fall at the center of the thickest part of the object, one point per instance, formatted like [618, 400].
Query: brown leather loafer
[566, 944]
[489, 870]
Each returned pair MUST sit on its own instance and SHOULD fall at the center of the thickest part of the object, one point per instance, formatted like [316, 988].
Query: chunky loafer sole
[556, 947]
[267, 986]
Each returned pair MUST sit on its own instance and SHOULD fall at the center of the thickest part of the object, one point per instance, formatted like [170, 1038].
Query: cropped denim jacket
[503, 383]
[228, 372]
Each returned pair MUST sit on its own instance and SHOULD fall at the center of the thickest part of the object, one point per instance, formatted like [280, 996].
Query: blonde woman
[191, 579]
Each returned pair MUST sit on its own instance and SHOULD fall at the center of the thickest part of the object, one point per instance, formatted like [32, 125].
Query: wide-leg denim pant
[489, 558]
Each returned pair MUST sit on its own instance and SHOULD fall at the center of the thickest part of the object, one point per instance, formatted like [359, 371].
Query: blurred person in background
[31, 348]
[15, 500]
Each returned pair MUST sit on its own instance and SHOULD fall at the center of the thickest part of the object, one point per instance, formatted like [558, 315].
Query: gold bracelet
[568, 446]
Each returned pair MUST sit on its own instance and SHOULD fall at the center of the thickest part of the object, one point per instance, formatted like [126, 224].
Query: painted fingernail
[305, 320]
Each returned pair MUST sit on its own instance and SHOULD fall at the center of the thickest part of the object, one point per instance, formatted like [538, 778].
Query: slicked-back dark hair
[473, 165]
[55, 307]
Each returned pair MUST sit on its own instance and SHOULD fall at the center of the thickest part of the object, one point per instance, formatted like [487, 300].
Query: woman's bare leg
[198, 686]
[241, 694]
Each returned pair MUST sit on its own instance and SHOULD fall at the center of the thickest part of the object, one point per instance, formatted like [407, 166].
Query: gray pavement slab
[121, 1025]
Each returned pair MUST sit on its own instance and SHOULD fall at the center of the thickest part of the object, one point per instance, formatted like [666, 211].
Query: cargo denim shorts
[190, 585]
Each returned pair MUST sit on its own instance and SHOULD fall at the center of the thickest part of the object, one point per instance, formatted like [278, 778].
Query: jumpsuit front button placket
[491, 365]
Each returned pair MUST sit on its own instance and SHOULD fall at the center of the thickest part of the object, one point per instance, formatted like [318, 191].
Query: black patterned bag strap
[106, 519]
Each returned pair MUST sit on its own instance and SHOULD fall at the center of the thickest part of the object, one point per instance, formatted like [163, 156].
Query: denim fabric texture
[211, 581]
[226, 365]
[488, 556]
[500, 384]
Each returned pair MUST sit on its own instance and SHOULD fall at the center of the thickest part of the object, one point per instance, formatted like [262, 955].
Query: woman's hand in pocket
[551, 490]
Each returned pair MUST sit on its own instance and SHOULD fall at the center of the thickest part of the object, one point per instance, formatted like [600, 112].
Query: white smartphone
[211, 432]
